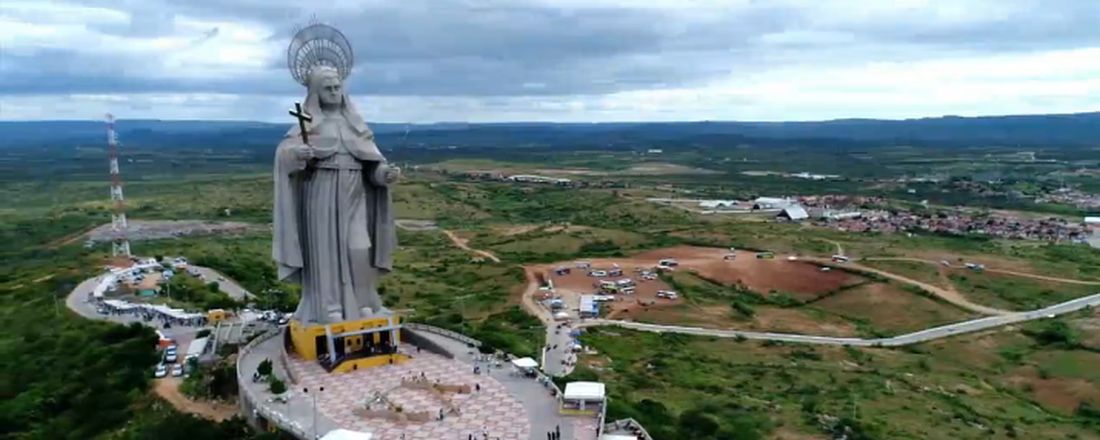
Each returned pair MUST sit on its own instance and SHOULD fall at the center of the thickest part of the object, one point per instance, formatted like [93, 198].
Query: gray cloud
[509, 49]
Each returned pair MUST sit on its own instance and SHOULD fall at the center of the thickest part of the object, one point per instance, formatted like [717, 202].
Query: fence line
[442, 332]
[632, 425]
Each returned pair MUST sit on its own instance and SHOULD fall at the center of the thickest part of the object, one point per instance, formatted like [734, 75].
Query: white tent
[525, 363]
[587, 391]
[344, 434]
[618, 437]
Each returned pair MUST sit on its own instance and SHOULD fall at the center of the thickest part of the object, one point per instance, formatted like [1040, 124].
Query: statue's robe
[333, 218]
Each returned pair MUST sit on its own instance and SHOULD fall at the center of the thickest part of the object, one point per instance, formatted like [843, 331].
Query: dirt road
[461, 243]
[1004, 271]
[529, 301]
[948, 295]
[168, 388]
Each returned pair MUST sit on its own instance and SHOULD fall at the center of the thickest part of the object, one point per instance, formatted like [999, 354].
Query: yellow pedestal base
[304, 337]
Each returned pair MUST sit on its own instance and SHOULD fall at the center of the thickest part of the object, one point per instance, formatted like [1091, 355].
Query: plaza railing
[628, 425]
[250, 402]
[442, 332]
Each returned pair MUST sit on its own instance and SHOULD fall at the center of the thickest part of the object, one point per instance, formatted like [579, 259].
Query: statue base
[348, 345]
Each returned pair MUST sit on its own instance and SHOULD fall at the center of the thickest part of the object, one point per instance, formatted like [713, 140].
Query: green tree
[264, 368]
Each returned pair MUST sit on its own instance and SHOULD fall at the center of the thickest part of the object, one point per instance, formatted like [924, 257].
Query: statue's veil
[313, 101]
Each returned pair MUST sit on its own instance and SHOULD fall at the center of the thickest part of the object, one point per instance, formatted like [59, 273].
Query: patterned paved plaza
[492, 410]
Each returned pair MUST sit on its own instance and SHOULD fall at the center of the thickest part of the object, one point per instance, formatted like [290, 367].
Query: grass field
[1013, 292]
[962, 388]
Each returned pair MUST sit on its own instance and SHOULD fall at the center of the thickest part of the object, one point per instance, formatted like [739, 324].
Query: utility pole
[314, 395]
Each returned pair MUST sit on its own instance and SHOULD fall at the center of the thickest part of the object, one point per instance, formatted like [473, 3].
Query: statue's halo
[318, 45]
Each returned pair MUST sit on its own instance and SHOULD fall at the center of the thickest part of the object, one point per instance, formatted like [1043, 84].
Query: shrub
[264, 369]
[277, 386]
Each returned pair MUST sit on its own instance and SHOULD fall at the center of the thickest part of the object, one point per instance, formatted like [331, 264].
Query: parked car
[170, 356]
[160, 372]
[177, 370]
[598, 273]
[667, 294]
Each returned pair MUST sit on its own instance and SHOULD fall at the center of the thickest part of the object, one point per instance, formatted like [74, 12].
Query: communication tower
[120, 245]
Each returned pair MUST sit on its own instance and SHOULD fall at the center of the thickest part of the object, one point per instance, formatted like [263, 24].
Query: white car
[177, 370]
[170, 356]
[666, 294]
[598, 273]
[161, 371]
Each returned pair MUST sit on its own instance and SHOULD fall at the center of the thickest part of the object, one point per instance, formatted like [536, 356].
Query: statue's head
[325, 82]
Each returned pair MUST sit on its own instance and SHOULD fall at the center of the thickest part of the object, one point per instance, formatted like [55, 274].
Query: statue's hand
[303, 152]
[392, 174]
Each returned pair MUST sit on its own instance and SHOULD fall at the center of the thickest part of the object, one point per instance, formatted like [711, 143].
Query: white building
[583, 395]
[531, 178]
[794, 213]
[771, 203]
[713, 204]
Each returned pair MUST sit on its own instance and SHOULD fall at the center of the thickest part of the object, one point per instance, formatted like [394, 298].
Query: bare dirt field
[798, 278]
[577, 282]
[803, 281]
[168, 389]
[1061, 393]
[160, 229]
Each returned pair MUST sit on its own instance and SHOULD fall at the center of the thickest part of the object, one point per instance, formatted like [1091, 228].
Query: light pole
[314, 395]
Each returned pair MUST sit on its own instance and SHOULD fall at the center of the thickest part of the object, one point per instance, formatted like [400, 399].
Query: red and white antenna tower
[121, 244]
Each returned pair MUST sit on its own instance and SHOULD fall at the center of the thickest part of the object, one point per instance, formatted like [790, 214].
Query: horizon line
[518, 122]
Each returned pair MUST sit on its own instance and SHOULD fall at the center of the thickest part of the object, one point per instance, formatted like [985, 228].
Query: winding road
[948, 295]
[934, 333]
[168, 387]
[994, 270]
[461, 243]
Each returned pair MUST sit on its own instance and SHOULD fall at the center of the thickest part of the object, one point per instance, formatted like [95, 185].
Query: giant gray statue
[333, 216]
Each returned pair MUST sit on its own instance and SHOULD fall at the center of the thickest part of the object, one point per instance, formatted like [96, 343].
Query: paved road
[558, 352]
[79, 301]
[906, 339]
[225, 284]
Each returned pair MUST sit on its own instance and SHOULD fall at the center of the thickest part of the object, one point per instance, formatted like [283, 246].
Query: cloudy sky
[557, 60]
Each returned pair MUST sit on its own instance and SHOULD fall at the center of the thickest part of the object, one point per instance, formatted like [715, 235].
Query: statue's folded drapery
[333, 219]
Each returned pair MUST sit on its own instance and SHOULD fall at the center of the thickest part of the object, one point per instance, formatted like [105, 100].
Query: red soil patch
[759, 275]
[1063, 394]
[802, 280]
[578, 282]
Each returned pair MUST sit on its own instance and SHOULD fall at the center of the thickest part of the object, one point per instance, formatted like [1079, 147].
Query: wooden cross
[302, 117]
